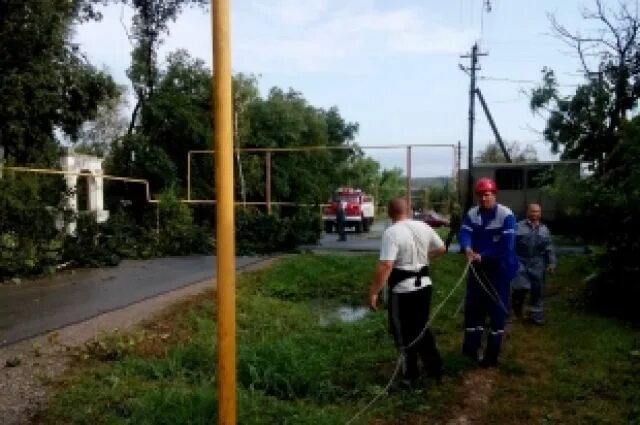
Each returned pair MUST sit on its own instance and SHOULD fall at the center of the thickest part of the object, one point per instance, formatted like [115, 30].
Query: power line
[517, 81]
[508, 80]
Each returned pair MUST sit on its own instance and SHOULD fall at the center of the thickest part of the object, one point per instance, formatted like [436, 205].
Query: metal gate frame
[268, 151]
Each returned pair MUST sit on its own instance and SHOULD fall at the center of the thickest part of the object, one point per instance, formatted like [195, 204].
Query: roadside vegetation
[298, 363]
[54, 99]
[580, 368]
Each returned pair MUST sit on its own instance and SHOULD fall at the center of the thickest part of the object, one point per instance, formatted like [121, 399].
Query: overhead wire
[518, 81]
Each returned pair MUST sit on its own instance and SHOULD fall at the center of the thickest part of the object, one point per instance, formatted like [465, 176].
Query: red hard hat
[485, 184]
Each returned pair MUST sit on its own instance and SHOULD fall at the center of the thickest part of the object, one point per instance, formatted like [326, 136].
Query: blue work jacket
[491, 233]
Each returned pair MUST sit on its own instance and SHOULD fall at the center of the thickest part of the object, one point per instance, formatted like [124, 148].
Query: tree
[492, 154]
[47, 90]
[150, 23]
[135, 156]
[177, 118]
[440, 195]
[586, 125]
[45, 81]
[361, 172]
[392, 183]
[96, 137]
[599, 124]
[285, 119]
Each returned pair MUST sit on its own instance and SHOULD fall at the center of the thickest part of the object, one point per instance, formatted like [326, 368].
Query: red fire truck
[359, 210]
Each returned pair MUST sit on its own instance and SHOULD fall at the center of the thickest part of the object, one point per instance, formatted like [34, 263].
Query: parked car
[433, 219]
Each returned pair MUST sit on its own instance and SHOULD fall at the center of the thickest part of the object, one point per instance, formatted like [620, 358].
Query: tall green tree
[492, 154]
[361, 172]
[150, 24]
[285, 119]
[46, 84]
[177, 118]
[599, 124]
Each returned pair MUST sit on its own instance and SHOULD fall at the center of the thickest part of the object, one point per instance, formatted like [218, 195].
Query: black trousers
[408, 315]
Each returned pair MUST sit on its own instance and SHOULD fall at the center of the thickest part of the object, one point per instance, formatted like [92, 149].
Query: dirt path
[473, 397]
[475, 393]
[26, 367]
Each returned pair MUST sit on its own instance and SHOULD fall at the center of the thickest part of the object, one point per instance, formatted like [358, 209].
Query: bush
[178, 235]
[616, 289]
[29, 241]
[89, 245]
[260, 233]
[127, 239]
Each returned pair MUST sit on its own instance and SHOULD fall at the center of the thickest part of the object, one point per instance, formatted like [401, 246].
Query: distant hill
[425, 182]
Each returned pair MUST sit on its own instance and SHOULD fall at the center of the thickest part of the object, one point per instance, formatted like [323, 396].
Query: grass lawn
[298, 364]
[580, 368]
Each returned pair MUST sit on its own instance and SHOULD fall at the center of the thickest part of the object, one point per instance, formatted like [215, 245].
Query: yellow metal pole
[225, 226]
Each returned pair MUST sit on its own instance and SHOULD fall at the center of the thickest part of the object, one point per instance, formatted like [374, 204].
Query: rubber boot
[491, 353]
[471, 344]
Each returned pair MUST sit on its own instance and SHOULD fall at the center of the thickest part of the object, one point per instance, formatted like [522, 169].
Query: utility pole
[494, 128]
[472, 114]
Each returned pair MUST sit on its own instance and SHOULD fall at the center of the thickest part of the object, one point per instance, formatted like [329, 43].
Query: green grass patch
[296, 368]
[293, 368]
[577, 369]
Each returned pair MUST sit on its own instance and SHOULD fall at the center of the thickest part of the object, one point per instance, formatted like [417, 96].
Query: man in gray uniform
[535, 257]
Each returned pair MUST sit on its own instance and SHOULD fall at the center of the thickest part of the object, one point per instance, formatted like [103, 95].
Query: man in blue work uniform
[487, 238]
[535, 256]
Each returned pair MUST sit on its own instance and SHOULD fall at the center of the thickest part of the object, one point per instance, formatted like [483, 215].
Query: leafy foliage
[150, 23]
[177, 233]
[29, 240]
[89, 245]
[493, 154]
[260, 233]
[599, 124]
[391, 184]
[285, 119]
[178, 117]
[46, 83]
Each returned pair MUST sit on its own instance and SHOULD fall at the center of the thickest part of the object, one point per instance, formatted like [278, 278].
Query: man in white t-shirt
[407, 246]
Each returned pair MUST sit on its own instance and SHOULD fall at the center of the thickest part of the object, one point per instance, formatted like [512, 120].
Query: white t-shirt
[407, 243]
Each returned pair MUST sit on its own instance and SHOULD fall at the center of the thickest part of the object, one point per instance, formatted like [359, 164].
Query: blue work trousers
[482, 302]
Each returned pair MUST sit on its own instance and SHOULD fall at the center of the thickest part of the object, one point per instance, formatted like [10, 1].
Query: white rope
[383, 392]
[402, 349]
[492, 294]
[438, 308]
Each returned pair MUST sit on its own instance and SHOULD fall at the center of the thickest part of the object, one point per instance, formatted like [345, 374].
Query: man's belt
[398, 275]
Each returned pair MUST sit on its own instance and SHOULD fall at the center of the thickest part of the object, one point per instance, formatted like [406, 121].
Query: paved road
[42, 305]
[366, 242]
[39, 306]
[355, 241]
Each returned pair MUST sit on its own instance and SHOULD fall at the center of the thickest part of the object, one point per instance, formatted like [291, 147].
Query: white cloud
[295, 36]
[292, 12]
[334, 36]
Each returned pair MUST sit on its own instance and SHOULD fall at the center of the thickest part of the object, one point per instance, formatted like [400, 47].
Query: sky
[391, 66]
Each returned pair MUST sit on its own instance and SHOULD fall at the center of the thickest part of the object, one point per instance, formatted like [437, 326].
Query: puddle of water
[350, 314]
[345, 314]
